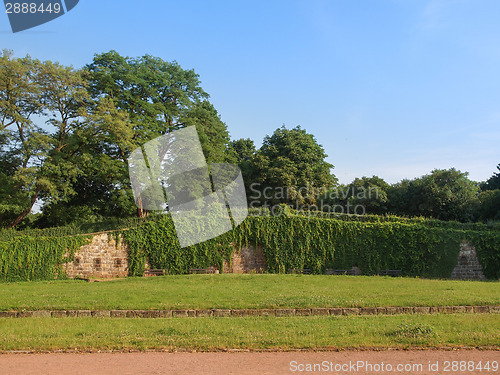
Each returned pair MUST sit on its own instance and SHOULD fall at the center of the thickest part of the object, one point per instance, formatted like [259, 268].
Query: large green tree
[158, 97]
[35, 163]
[290, 167]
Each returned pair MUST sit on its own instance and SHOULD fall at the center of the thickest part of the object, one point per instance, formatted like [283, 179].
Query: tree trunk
[140, 211]
[25, 213]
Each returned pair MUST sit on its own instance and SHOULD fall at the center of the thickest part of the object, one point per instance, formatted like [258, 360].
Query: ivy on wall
[290, 242]
[157, 242]
[37, 258]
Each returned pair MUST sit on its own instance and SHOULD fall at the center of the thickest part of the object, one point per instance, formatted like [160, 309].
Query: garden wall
[103, 257]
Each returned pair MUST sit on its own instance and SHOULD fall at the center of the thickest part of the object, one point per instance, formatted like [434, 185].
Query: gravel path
[241, 363]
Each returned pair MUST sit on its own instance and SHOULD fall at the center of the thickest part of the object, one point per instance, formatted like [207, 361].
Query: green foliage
[490, 205]
[290, 159]
[367, 193]
[298, 242]
[488, 251]
[37, 258]
[293, 242]
[442, 194]
[33, 163]
[493, 183]
[108, 224]
[157, 242]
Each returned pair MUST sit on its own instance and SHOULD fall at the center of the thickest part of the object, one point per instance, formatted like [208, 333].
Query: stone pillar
[468, 266]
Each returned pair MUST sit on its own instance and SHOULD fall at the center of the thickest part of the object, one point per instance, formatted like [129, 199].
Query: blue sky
[393, 88]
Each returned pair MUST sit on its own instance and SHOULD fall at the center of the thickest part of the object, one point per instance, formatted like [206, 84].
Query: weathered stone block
[302, 312]
[25, 314]
[118, 313]
[368, 311]
[481, 309]
[285, 312]
[8, 314]
[421, 310]
[84, 313]
[180, 313]
[101, 313]
[445, 309]
[350, 311]
[165, 313]
[42, 314]
[221, 312]
[59, 314]
[495, 309]
[204, 313]
[393, 310]
[320, 311]
[382, 310]
[336, 311]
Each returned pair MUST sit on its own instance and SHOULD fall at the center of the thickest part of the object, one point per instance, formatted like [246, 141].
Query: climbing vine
[37, 258]
[290, 242]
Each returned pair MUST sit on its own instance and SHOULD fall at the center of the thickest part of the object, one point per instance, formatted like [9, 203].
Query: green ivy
[157, 242]
[290, 242]
[293, 242]
[37, 258]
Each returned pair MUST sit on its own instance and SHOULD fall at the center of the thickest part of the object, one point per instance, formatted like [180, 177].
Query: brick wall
[247, 259]
[101, 258]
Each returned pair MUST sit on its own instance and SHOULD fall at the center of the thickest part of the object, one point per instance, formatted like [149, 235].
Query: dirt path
[252, 363]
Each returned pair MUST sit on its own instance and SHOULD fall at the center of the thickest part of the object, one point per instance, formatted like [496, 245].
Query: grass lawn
[254, 333]
[233, 291]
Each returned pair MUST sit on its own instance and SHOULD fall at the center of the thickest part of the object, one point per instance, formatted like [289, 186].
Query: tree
[244, 149]
[290, 167]
[493, 183]
[212, 131]
[489, 208]
[158, 97]
[370, 193]
[36, 165]
[442, 194]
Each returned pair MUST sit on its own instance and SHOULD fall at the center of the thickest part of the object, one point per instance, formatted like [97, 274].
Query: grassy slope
[253, 332]
[246, 291]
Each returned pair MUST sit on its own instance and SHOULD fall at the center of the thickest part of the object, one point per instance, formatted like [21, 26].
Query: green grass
[253, 333]
[245, 291]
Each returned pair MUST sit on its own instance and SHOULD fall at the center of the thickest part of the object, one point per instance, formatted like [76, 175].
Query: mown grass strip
[245, 291]
[255, 333]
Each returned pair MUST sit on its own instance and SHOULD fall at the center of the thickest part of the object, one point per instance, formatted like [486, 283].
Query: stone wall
[468, 266]
[101, 258]
[247, 259]
[104, 258]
